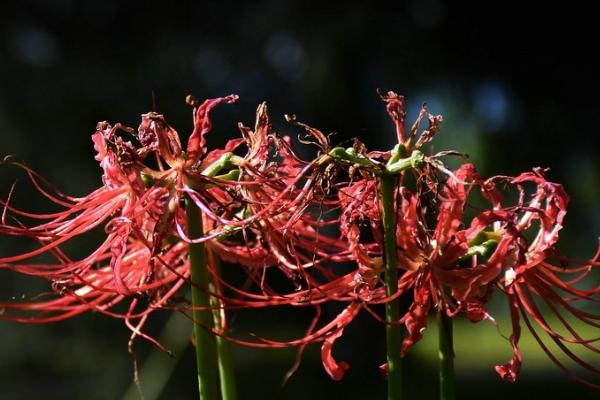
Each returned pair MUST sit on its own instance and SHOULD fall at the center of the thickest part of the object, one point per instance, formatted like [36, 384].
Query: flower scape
[351, 226]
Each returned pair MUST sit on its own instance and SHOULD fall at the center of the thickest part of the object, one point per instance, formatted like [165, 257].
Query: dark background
[517, 85]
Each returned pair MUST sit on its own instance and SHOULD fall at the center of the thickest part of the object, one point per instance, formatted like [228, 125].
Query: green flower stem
[232, 175]
[398, 152]
[393, 331]
[446, 356]
[414, 161]
[225, 361]
[223, 347]
[350, 155]
[206, 354]
[395, 164]
[217, 166]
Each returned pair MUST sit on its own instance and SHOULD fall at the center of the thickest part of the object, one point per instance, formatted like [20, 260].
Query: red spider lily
[520, 268]
[523, 270]
[531, 277]
[140, 210]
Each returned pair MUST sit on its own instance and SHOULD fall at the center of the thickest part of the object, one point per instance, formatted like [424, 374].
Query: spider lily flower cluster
[319, 222]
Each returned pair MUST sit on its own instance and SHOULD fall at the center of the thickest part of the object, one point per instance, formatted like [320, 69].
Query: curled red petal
[196, 147]
[396, 111]
[511, 369]
[417, 317]
[454, 197]
[335, 370]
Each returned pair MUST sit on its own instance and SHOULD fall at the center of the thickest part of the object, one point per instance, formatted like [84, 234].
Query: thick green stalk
[446, 355]
[393, 331]
[226, 370]
[206, 354]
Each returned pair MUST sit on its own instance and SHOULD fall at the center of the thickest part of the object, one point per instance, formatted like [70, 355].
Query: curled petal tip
[334, 369]
[384, 369]
[389, 95]
[10, 158]
[508, 372]
[232, 98]
[191, 100]
[337, 373]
